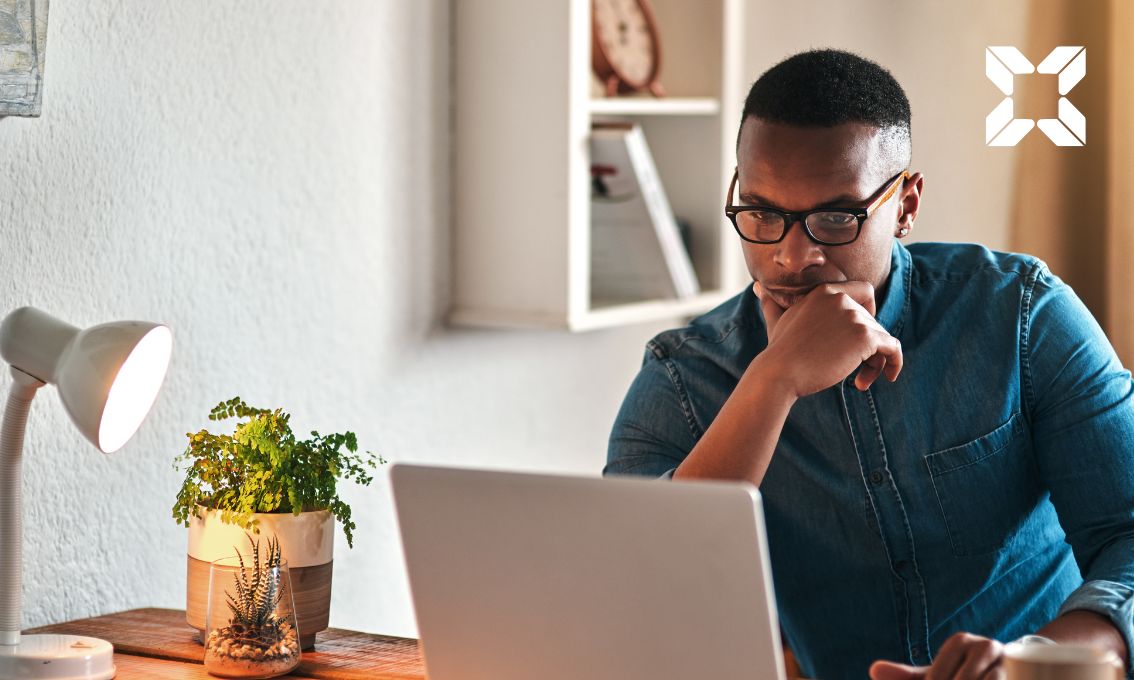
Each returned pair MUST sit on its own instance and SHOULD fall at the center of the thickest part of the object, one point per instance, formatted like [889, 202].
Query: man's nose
[797, 251]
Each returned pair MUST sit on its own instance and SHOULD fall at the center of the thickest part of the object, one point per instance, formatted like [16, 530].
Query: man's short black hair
[825, 88]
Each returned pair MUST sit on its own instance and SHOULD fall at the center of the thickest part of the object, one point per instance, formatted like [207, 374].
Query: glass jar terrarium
[250, 620]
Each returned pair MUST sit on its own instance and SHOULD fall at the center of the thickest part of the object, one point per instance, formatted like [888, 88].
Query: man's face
[801, 168]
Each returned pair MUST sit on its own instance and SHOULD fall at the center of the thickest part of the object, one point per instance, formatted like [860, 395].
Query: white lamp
[108, 377]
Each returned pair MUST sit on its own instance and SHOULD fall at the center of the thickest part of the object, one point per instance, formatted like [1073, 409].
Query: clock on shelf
[625, 48]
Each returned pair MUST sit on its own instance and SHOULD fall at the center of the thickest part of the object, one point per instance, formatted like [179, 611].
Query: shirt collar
[891, 313]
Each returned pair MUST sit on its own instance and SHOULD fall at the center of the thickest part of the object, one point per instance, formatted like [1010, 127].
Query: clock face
[626, 37]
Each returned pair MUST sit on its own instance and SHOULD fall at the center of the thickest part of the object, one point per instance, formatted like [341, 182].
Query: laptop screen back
[521, 576]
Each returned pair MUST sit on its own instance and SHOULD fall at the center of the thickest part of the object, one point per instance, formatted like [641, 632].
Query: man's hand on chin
[963, 657]
[825, 336]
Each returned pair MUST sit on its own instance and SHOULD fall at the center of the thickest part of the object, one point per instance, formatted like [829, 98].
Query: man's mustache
[795, 283]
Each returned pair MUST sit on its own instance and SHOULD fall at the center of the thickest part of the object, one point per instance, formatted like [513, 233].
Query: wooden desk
[157, 643]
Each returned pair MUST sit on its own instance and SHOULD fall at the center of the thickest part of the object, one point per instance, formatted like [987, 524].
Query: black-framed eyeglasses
[825, 226]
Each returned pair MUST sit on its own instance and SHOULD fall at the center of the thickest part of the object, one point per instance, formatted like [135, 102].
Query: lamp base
[58, 657]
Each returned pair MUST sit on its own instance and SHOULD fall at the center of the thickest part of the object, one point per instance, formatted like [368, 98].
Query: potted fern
[264, 479]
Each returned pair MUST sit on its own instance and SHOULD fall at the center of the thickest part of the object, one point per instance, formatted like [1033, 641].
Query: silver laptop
[538, 577]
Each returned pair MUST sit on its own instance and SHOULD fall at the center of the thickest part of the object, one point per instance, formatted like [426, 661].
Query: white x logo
[1001, 63]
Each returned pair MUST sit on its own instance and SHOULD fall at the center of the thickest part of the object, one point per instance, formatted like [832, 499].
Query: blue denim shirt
[987, 490]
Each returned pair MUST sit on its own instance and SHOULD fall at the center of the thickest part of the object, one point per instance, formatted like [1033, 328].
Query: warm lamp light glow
[135, 388]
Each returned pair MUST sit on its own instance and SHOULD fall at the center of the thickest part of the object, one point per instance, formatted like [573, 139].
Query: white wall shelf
[523, 111]
[667, 106]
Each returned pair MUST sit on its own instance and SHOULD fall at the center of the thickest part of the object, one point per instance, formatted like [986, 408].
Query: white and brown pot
[306, 542]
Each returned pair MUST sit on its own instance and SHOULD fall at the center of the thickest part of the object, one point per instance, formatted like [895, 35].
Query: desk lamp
[108, 377]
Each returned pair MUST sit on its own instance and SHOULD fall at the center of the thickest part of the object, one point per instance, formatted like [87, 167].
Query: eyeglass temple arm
[889, 192]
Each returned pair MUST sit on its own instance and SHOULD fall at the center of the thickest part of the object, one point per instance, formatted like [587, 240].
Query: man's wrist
[767, 374]
[1082, 626]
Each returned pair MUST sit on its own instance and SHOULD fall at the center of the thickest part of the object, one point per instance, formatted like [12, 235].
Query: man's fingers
[869, 372]
[951, 655]
[772, 311]
[891, 351]
[888, 670]
[895, 360]
[887, 360]
[893, 368]
[981, 656]
[859, 291]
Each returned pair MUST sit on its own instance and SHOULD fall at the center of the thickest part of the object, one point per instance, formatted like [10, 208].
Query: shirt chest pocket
[986, 488]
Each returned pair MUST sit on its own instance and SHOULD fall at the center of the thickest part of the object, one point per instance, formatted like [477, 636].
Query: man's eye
[764, 216]
[832, 219]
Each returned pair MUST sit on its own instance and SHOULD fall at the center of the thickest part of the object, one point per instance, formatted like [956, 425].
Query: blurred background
[273, 180]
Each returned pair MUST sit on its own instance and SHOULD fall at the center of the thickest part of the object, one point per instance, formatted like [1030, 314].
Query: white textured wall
[269, 178]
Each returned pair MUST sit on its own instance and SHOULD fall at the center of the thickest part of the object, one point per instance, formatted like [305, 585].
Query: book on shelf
[636, 248]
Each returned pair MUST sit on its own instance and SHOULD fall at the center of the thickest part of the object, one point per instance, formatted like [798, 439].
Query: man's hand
[963, 657]
[828, 334]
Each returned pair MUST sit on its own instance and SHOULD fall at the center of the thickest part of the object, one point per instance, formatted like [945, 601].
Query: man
[942, 434]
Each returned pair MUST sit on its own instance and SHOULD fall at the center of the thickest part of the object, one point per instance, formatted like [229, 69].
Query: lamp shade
[108, 375]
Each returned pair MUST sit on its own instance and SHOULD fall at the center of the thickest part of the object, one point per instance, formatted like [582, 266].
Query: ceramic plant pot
[307, 543]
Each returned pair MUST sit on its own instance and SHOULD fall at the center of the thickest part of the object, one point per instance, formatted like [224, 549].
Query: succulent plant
[258, 590]
[260, 639]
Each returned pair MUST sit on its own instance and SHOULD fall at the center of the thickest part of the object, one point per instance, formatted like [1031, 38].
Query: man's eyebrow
[838, 201]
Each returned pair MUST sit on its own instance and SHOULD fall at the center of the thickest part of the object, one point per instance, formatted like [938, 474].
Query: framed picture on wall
[23, 36]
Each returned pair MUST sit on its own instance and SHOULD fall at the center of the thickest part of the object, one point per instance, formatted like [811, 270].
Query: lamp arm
[20, 397]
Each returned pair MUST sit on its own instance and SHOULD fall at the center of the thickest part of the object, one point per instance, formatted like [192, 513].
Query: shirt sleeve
[1081, 404]
[654, 429]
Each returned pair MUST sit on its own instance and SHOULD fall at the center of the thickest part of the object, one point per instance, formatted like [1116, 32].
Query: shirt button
[876, 477]
[916, 652]
[899, 566]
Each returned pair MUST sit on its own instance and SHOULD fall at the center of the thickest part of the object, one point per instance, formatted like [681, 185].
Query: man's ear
[909, 201]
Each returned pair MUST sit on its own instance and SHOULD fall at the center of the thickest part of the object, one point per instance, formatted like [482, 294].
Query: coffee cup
[1060, 662]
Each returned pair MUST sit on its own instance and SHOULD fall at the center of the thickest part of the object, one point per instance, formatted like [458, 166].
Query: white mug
[1060, 662]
